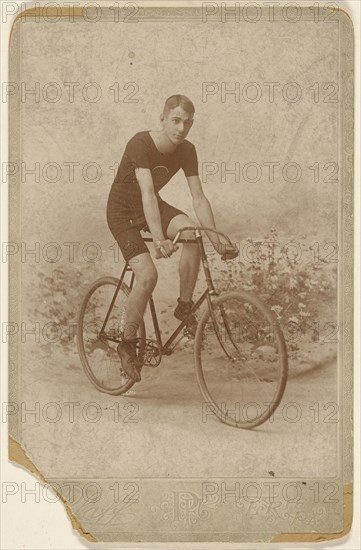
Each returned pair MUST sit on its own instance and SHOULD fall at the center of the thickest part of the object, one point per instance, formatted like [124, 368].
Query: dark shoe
[181, 312]
[127, 351]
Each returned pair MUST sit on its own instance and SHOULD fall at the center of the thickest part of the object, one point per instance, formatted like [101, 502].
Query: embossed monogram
[182, 508]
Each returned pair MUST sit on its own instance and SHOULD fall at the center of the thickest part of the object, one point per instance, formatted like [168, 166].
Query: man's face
[177, 124]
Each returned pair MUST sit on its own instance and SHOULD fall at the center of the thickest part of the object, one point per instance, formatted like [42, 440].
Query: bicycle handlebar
[199, 229]
[224, 256]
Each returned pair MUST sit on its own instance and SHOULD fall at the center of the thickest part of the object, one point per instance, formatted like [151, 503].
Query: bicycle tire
[241, 298]
[81, 343]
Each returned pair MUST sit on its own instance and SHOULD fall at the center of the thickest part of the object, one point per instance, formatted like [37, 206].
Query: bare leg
[188, 271]
[145, 281]
[190, 258]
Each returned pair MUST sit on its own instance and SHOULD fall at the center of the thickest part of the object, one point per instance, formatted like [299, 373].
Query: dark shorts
[127, 232]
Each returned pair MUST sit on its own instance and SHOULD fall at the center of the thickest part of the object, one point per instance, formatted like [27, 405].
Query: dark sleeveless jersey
[125, 197]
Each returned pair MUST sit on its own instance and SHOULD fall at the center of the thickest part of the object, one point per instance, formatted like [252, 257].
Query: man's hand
[164, 249]
[226, 251]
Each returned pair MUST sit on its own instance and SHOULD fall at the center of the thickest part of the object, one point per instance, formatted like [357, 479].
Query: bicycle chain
[152, 354]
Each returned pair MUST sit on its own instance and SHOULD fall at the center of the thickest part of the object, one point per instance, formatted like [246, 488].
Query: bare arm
[151, 213]
[203, 211]
[202, 207]
[150, 203]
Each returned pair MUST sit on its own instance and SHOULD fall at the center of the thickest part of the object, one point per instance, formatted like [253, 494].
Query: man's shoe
[127, 351]
[181, 312]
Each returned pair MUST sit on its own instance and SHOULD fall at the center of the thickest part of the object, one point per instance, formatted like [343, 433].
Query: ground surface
[161, 427]
[163, 433]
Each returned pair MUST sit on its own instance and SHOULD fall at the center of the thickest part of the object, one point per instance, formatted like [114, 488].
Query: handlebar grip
[159, 254]
[229, 255]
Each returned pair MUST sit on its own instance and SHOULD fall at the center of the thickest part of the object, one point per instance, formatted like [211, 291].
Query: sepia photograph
[181, 267]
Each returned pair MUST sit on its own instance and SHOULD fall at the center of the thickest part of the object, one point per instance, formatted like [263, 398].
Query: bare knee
[192, 249]
[147, 279]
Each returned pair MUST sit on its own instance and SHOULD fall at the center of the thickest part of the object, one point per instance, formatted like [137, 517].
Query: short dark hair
[178, 100]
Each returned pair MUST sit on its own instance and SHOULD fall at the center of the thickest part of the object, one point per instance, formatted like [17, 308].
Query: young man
[150, 160]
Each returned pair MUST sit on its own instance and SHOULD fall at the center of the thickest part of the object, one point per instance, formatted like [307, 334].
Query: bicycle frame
[210, 290]
[221, 320]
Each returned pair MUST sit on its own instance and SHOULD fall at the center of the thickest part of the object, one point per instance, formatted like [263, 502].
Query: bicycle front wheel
[97, 350]
[240, 360]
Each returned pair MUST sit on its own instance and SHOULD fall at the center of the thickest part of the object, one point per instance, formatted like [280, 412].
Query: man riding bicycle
[150, 160]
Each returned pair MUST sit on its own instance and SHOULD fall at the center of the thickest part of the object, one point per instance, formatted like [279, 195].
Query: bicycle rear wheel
[99, 357]
[240, 360]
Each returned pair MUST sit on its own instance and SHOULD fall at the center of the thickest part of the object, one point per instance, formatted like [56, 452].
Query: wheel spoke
[98, 350]
[241, 361]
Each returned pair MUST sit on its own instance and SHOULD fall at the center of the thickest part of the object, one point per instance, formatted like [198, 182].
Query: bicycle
[239, 351]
